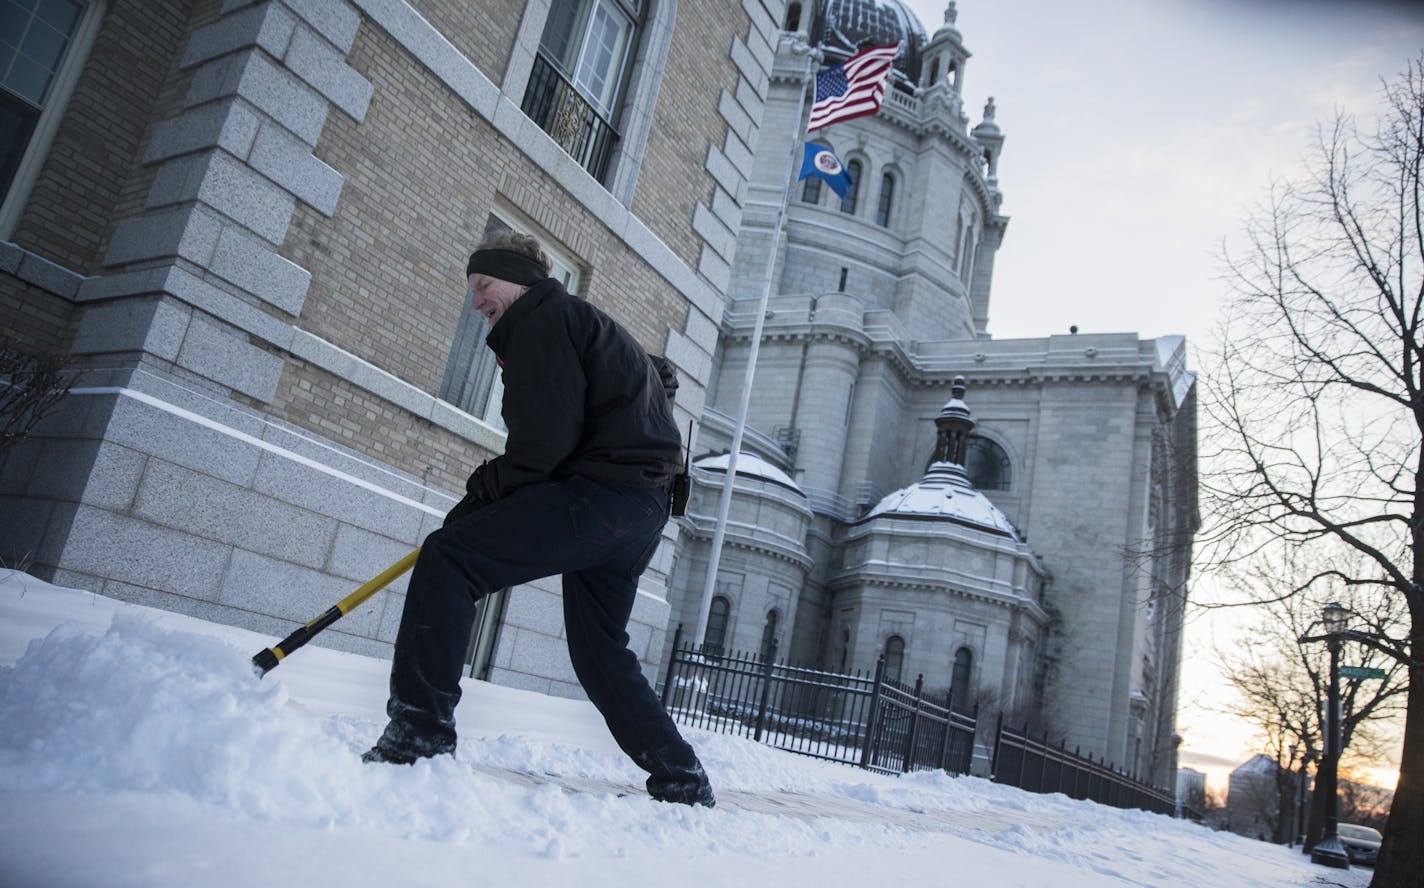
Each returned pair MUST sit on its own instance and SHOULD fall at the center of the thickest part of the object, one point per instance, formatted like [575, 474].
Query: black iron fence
[859, 719]
[1039, 766]
[552, 102]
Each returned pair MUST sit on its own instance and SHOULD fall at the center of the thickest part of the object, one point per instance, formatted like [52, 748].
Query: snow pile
[126, 733]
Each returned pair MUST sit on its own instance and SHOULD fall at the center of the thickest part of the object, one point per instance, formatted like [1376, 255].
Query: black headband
[506, 265]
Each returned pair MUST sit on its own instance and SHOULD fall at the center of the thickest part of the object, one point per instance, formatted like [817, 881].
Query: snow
[138, 748]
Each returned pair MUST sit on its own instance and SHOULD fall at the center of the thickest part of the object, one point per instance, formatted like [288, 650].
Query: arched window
[894, 658]
[959, 682]
[793, 17]
[853, 173]
[717, 619]
[811, 191]
[987, 464]
[887, 200]
[768, 635]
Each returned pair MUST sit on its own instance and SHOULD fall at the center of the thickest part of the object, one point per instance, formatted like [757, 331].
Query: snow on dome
[946, 494]
[751, 465]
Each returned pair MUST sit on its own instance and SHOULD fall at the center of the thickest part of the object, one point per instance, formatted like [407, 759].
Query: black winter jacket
[581, 397]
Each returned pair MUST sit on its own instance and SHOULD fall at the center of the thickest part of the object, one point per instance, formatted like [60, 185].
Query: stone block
[188, 231]
[335, 497]
[243, 195]
[229, 124]
[180, 498]
[337, 22]
[10, 257]
[63, 469]
[149, 324]
[737, 118]
[712, 266]
[360, 555]
[321, 65]
[252, 264]
[269, 26]
[270, 88]
[208, 447]
[279, 588]
[219, 303]
[23, 525]
[216, 351]
[178, 180]
[113, 477]
[49, 276]
[289, 162]
[117, 547]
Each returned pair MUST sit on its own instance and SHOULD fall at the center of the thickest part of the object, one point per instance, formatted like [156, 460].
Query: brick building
[247, 223]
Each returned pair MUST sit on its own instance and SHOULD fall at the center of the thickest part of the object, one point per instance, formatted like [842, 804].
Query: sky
[138, 748]
[1139, 136]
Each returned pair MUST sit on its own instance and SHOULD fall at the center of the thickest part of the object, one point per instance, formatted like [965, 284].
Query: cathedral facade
[1036, 563]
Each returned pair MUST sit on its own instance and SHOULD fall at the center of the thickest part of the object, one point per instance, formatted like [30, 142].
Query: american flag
[852, 89]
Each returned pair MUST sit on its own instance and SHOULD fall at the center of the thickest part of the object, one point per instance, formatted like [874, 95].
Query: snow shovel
[265, 661]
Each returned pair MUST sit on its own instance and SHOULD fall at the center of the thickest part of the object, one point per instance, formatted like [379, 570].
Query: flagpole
[719, 534]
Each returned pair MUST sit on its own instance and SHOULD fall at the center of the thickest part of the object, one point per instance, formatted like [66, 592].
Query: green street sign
[1361, 672]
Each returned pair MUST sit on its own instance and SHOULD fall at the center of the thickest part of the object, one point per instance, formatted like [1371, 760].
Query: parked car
[1361, 842]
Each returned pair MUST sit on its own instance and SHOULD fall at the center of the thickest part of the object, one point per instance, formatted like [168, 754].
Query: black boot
[401, 746]
[686, 788]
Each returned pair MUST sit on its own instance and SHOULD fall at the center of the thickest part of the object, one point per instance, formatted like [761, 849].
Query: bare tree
[31, 385]
[1281, 683]
[1316, 406]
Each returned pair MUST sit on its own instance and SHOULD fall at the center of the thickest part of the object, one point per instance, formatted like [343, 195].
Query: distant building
[1191, 792]
[1255, 796]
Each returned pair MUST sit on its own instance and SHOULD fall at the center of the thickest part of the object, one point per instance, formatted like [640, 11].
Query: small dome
[749, 465]
[845, 24]
[945, 494]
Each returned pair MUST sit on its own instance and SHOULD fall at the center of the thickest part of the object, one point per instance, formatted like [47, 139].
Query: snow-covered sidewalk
[137, 748]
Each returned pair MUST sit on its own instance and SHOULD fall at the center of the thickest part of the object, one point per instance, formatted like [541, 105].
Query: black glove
[477, 494]
[667, 375]
[464, 507]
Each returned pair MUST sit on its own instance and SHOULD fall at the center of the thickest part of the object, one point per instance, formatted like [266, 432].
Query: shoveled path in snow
[810, 806]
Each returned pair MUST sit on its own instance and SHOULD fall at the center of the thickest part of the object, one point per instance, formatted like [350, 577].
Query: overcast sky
[1139, 131]
[1138, 135]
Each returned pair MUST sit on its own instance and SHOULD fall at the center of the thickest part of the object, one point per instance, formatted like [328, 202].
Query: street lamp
[1328, 850]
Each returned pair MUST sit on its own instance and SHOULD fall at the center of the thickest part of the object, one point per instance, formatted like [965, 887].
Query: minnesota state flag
[820, 161]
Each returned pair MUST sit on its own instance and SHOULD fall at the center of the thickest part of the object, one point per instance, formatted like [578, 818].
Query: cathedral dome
[751, 466]
[845, 24]
[945, 494]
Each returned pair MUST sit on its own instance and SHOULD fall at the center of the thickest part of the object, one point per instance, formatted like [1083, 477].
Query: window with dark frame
[580, 73]
[34, 36]
[849, 201]
[894, 658]
[718, 616]
[887, 197]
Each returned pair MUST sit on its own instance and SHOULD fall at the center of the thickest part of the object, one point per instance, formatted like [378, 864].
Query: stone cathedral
[1010, 519]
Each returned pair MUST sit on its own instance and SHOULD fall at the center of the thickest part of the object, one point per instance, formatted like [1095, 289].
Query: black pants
[600, 537]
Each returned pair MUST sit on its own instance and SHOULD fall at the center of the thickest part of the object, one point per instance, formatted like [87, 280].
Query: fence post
[1023, 761]
[948, 732]
[998, 741]
[766, 668]
[914, 734]
[672, 666]
[872, 724]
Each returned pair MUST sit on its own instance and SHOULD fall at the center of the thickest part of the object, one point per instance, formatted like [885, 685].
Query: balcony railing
[552, 102]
